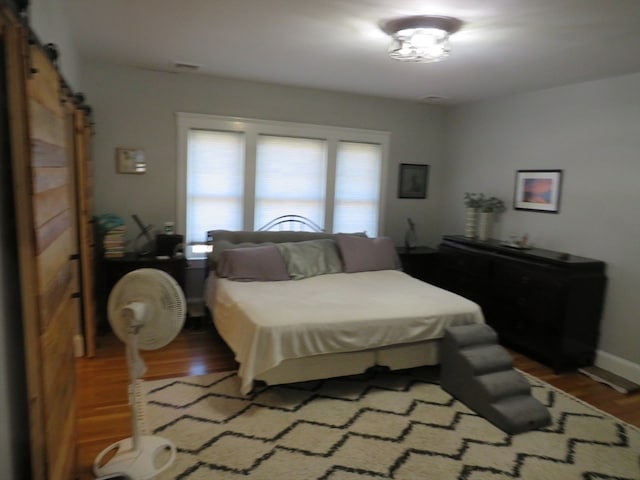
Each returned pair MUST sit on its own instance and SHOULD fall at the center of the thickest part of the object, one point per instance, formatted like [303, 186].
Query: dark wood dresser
[546, 304]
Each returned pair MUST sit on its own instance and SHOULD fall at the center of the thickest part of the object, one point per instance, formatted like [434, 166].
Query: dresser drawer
[509, 311]
[522, 277]
[543, 340]
[528, 294]
[466, 284]
[466, 262]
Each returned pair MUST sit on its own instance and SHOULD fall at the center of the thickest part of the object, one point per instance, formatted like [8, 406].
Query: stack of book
[113, 242]
[111, 230]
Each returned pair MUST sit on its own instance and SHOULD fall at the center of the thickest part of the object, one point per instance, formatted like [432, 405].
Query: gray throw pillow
[252, 264]
[361, 254]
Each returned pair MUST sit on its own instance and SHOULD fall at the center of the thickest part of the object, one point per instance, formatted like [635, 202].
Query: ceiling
[504, 47]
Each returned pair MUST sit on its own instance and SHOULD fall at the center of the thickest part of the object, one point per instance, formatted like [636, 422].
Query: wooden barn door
[84, 210]
[45, 197]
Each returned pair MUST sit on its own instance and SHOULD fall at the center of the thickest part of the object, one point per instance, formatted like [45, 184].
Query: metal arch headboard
[291, 221]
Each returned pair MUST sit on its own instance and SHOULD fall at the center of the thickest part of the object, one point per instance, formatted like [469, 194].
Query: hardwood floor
[104, 414]
[103, 410]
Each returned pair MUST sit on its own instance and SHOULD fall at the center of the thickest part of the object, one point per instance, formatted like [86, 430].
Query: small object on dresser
[113, 242]
[112, 232]
[143, 244]
[472, 202]
[410, 235]
[166, 245]
[524, 241]
[521, 243]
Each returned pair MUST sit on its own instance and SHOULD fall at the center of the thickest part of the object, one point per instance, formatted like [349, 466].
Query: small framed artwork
[413, 180]
[538, 190]
[130, 160]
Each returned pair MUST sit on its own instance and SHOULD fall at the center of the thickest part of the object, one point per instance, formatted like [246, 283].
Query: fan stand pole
[135, 365]
[135, 456]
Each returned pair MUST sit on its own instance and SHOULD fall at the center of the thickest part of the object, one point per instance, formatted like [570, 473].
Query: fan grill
[165, 307]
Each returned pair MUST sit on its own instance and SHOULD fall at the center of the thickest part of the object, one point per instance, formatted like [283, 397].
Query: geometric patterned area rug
[379, 425]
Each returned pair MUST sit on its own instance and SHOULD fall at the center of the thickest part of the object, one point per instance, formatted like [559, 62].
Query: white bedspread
[265, 323]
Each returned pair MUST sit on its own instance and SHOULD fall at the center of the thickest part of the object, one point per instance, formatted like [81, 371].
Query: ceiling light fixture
[421, 38]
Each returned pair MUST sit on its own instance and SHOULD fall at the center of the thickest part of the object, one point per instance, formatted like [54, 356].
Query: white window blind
[357, 192]
[290, 178]
[215, 182]
[239, 174]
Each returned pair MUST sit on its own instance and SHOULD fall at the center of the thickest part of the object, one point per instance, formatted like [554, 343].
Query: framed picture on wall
[413, 180]
[538, 190]
[130, 160]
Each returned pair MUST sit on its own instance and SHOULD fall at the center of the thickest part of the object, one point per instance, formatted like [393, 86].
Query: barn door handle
[75, 295]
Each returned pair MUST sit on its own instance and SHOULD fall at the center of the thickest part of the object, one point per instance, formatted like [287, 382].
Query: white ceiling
[505, 46]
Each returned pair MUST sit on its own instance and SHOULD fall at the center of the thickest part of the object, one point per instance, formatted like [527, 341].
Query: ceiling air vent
[186, 66]
[434, 99]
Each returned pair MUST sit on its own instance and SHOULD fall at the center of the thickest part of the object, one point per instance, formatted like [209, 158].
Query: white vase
[471, 223]
[485, 222]
[410, 238]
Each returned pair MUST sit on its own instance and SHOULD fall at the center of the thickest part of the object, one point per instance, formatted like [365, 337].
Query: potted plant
[473, 202]
[489, 206]
[492, 205]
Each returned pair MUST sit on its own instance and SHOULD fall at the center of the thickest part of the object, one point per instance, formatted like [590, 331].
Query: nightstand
[419, 262]
[113, 269]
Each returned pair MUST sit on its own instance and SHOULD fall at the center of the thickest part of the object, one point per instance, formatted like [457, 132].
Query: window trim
[254, 127]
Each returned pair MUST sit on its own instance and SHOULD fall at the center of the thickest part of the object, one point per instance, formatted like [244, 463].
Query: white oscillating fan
[146, 310]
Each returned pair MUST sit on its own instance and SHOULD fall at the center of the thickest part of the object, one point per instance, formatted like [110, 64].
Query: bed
[297, 305]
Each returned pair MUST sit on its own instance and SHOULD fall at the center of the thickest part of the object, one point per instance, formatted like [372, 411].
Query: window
[240, 173]
[215, 180]
[290, 178]
[356, 201]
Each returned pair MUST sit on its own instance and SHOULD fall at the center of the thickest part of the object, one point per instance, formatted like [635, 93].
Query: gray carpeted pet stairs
[479, 372]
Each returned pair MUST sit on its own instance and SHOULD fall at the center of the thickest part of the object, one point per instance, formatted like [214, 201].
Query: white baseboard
[619, 366]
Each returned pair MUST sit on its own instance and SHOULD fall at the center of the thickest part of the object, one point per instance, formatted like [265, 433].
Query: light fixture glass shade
[420, 38]
[420, 45]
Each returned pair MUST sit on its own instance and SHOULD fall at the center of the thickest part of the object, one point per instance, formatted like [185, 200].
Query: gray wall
[136, 108]
[591, 131]
[51, 26]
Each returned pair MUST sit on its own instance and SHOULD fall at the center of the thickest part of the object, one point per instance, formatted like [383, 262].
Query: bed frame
[292, 223]
[340, 364]
[326, 365]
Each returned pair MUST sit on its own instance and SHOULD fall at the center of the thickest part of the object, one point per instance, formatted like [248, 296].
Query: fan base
[139, 464]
